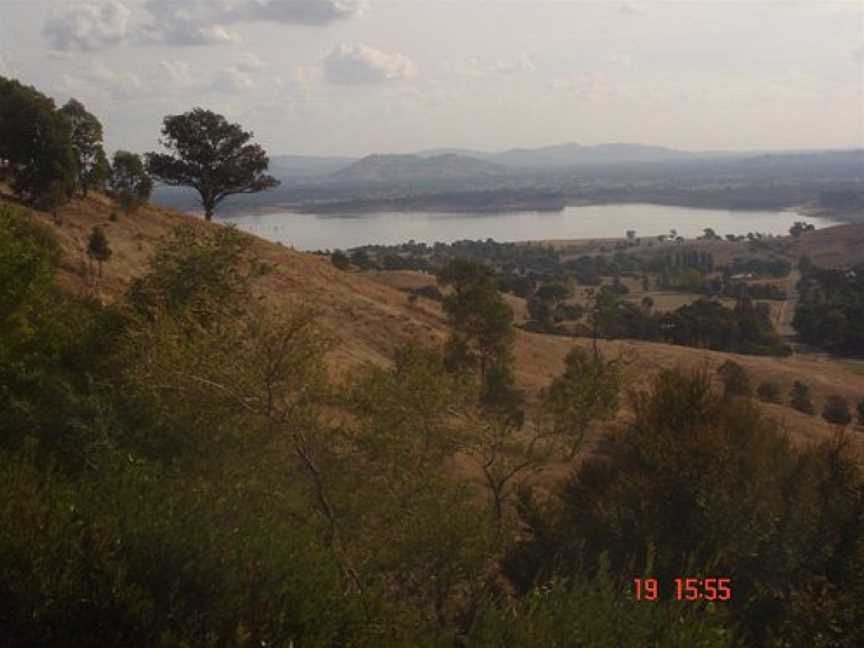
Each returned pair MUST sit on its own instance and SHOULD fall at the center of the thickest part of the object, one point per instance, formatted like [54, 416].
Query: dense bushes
[704, 487]
[703, 323]
[830, 313]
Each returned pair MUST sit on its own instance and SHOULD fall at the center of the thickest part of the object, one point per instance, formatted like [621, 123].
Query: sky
[354, 77]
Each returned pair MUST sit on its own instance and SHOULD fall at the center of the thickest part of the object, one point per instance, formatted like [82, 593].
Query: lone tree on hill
[736, 380]
[91, 164]
[210, 155]
[769, 392]
[799, 398]
[481, 338]
[98, 247]
[800, 227]
[340, 260]
[129, 181]
[836, 411]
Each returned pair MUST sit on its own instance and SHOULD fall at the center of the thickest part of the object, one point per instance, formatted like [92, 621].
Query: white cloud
[250, 63]
[102, 79]
[583, 86]
[629, 10]
[522, 63]
[239, 77]
[206, 22]
[187, 24]
[233, 80]
[177, 72]
[295, 12]
[361, 64]
[621, 60]
[858, 55]
[478, 69]
[300, 81]
[217, 35]
[88, 26]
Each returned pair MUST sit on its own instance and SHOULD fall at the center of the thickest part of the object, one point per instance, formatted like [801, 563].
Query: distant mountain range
[456, 163]
[566, 155]
[307, 165]
[408, 168]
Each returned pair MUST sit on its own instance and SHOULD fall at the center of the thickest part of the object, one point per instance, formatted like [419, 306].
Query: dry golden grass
[369, 317]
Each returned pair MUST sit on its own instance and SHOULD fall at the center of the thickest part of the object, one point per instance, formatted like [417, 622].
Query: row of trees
[49, 154]
[704, 323]
[835, 411]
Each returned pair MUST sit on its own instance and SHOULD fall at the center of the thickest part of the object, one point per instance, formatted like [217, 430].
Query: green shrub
[769, 392]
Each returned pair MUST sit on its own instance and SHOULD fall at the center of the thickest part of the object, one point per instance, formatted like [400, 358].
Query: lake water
[314, 232]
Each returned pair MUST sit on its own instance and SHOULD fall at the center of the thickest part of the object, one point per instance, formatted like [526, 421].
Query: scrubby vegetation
[179, 469]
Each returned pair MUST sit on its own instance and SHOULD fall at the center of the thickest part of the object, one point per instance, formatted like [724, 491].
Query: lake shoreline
[348, 211]
[576, 222]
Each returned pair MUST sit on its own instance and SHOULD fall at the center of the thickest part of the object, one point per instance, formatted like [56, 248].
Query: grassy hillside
[369, 317]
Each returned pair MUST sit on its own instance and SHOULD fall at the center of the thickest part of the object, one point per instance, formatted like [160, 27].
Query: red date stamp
[685, 589]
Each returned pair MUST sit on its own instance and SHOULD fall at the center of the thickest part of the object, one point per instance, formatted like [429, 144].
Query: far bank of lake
[343, 231]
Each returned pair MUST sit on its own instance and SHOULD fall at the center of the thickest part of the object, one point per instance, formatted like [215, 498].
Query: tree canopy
[86, 132]
[211, 155]
[130, 182]
[35, 145]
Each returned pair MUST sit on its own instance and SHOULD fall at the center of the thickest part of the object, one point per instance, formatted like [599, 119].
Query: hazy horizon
[354, 77]
[445, 147]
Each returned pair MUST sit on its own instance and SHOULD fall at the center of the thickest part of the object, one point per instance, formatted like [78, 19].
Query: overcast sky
[361, 76]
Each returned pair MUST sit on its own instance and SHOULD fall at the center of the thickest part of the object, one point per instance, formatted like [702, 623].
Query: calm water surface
[314, 232]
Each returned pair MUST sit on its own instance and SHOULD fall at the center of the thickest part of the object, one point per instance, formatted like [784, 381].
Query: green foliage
[36, 145]
[769, 392]
[130, 184]
[736, 380]
[480, 318]
[800, 227]
[48, 343]
[482, 335]
[830, 313]
[196, 270]
[340, 260]
[141, 557]
[183, 470]
[362, 260]
[211, 155]
[588, 391]
[543, 305]
[98, 247]
[799, 398]
[601, 611]
[86, 136]
[836, 411]
[702, 486]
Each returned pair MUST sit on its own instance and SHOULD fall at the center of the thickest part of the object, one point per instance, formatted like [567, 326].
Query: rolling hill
[368, 315]
[408, 168]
